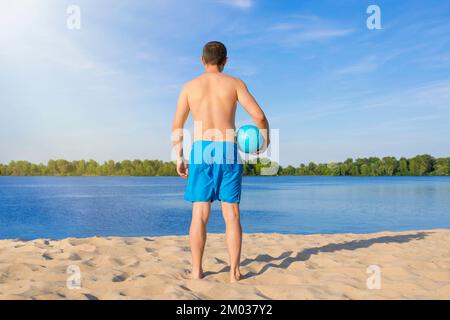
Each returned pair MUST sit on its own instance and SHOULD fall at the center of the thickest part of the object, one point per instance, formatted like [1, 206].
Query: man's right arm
[179, 119]
[254, 110]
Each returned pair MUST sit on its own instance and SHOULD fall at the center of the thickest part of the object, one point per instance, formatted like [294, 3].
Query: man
[214, 171]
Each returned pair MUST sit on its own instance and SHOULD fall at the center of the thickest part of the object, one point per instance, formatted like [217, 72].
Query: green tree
[91, 168]
[63, 167]
[421, 165]
[365, 170]
[442, 167]
[80, 167]
[289, 171]
[109, 168]
[389, 166]
[403, 167]
[334, 169]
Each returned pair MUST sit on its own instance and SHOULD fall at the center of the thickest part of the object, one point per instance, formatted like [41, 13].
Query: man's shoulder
[193, 82]
[232, 78]
[199, 80]
[190, 82]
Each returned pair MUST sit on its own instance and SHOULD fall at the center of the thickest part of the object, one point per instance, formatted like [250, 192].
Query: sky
[334, 88]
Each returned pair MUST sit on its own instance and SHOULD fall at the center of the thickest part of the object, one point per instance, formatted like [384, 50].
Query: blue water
[59, 207]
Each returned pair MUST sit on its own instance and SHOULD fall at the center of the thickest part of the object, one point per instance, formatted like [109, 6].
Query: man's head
[215, 53]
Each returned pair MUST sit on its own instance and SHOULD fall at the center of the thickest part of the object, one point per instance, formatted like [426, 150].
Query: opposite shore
[420, 165]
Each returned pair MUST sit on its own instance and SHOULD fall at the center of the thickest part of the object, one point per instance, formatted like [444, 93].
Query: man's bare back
[211, 98]
[212, 101]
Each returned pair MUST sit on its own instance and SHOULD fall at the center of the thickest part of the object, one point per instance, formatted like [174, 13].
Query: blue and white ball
[249, 139]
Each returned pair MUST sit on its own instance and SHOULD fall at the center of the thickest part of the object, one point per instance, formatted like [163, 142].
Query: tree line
[421, 165]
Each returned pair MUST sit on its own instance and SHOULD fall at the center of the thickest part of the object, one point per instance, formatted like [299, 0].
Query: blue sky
[333, 88]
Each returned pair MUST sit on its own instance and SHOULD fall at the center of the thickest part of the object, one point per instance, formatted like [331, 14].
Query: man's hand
[265, 146]
[182, 168]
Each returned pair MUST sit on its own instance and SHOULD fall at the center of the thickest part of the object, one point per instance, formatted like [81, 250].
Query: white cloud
[433, 98]
[370, 63]
[297, 22]
[298, 29]
[367, 64]
[320, 34]
[32, 36]
[242, 4]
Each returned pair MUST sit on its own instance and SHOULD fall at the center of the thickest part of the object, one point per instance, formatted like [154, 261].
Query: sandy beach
[411, 264]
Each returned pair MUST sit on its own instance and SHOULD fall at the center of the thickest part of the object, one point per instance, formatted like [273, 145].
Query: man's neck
[212, 69]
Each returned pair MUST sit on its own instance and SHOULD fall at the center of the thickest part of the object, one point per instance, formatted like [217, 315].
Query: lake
[59, 207]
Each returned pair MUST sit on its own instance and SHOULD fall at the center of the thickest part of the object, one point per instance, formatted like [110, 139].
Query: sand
[408, 265]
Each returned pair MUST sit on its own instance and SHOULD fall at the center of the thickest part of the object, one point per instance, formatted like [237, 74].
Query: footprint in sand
[74, 257]
[219, 261]
[90, 263]
[90, 296]
[120, 277]
[47, 256]
[117, 261]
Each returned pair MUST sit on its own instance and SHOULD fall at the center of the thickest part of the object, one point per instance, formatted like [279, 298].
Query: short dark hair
[215, 53]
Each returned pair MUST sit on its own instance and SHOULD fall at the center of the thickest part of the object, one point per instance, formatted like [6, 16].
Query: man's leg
[197, 235]
[233, 236]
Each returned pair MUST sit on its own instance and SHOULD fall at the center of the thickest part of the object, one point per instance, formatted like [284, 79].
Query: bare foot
[235, 276]
[197, 274]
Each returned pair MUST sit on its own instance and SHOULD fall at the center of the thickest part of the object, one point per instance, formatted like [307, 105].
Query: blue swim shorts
[215, 172]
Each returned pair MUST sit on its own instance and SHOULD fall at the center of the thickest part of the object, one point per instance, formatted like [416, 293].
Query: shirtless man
[214, 171]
